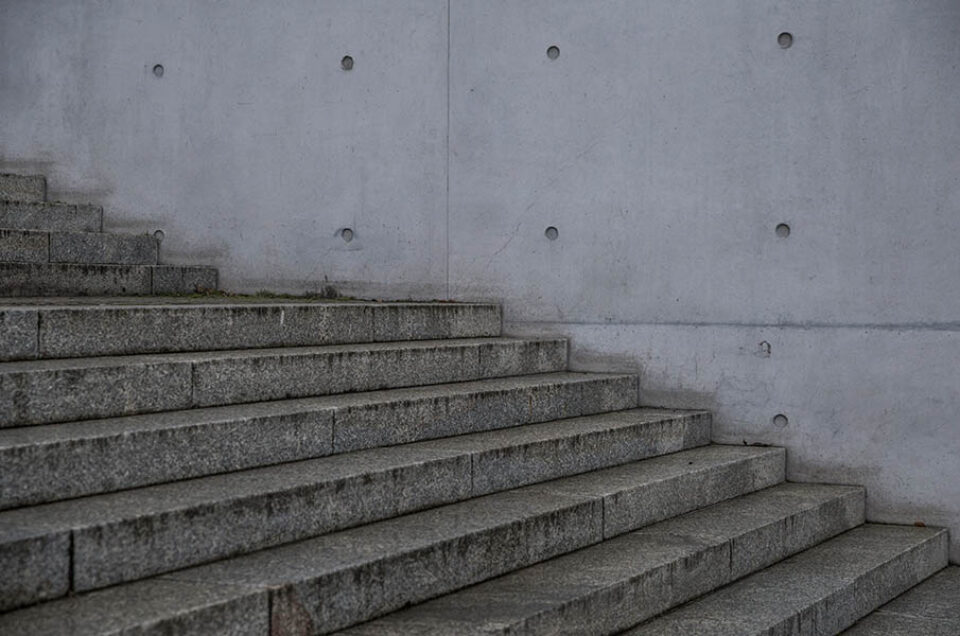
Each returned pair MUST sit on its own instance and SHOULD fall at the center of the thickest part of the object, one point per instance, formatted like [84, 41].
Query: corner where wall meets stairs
[49, 248]
[216, 465]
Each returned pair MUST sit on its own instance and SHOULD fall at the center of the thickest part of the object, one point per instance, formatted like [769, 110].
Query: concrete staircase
[227, 466]
[57, 249]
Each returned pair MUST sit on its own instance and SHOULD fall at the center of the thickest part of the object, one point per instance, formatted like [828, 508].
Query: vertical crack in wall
[447, 144]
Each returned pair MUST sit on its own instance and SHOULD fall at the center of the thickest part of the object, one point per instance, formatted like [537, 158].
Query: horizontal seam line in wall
[905, 326]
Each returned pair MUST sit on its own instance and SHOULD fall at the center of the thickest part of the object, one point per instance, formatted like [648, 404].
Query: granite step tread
[95, 248]
[412, 557]
[50, 216]
[932, 608]
[50, 391]
[820, 591]
[23, 187]
[58, 279]
[605, 588]
[70, 328]
[60, 461]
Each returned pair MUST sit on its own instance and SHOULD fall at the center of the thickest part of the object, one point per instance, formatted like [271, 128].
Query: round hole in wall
[785, 40]
[158, 235]
[551, 233]
[346, 234]
[553, 52]
[783, 230]
[346, 63]
[158, 70]
[780, 420]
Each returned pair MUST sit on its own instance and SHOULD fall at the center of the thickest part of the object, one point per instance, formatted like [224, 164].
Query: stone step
[50, 217]
[138, 533]
[930, 609]
[608, 587]
[94, 248]
[78, 328]
[64, 279]
[61, 461]
[821, 591]
[18, 187]
[49, 391]
[330, 582]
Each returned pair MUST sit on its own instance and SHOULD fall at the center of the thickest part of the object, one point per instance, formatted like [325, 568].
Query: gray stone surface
[24, 246]
[50, 217]
[148, 608]
[335, 581]
[932, 608]
[18, 334]
[47, 391]
[137, 533]
[141, 533]
[379, 418]
[58, 279]
[329, 579]
[272, 374]
[48, 463]
[422, 321]
[101, 329]
[60, 461]
[103, 248]
[820, 591]
[605, 588]
[524, 455]
[676, 484]
[43, 391]
[171, 279]
[19, 187]
[34, 564]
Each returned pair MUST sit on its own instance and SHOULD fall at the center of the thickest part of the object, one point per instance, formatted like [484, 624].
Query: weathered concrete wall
[665, 142]
[254, 148]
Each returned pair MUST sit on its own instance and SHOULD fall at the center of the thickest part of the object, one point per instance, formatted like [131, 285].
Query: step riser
[57, 279]
[15, 187]
[50, 217]
[609, 587]
[229, 381]
[361, 591]
[65, 279]
[822, 591]
[338, 580]
[931, 608]
[60, 392]
[72, 332]
[844, 608]
[92, 248]
[172, 607]
[234, 439]
[236, 514]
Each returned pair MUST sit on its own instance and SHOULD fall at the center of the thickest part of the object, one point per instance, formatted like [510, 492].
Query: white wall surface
[665, 144]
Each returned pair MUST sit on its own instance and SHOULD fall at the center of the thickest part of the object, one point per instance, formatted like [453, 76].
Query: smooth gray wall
[665, 143]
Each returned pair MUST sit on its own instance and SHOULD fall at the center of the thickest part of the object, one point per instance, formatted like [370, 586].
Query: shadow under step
[69, 279]
[821, 591]
[340, 579]
[89, 248]
[62, 461]
[79, 327]
[49, 391]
